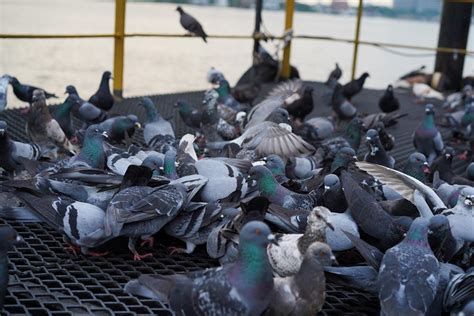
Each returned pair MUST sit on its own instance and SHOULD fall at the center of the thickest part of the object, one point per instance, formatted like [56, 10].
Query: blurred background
[162, 65]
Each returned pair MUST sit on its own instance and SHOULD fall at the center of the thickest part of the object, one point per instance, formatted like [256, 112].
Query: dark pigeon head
[8, 238]
[71, 90]
[320, 252]
[390, 88]
[372, 140]
[278, 116]
[308, 132]
[418, 231]
[429, 109]
[258, 173]
[346, 154]
[3, 128]
[439, 224]
[331, 181]
[365, 75]
[448, 153]
[107, 75]
[256, 233]
[14, 80]
[180, 10]
[154, 162]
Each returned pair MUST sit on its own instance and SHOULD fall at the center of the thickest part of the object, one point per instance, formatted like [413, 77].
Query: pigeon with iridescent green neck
[240, 288]
[409, 274]
[169, 164]
[155, 124]
[25, 92]
[120, 128]
[427, 138]
[226, 97]
[417, 166]
[190, 115]
[92, 154]
[277, 194]
[62, 114]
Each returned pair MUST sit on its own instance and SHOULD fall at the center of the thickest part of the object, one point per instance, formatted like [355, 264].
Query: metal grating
[46, 279]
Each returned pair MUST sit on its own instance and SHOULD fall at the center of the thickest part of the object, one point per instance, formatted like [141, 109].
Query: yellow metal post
[356, 39]
[119, 46]
[290, 9]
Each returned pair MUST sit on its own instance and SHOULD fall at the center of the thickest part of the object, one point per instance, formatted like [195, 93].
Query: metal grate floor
[46, 279]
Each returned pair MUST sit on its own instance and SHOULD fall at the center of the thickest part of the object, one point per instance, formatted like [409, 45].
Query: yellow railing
[120, 36]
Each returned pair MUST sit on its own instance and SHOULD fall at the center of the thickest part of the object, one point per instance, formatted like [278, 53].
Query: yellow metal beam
[356, 38]
[119, 46]
[290, 9]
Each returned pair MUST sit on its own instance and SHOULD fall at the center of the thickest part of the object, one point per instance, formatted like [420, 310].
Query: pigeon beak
[106, 135]
[368, 138]
[138, 125]
[2, 132]
[264, 159]
[334, 261]
[272, 239]
[426, 168]
[326, 187]
[355, 157]
[448, 156]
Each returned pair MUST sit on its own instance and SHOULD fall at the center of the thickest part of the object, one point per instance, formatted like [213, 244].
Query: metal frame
[120, 36]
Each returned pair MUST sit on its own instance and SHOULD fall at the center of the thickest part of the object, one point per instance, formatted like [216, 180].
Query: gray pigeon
[304, 292]
[92, 153]
[42, 129]
[4, 81]
[12, 151]
[155, 124]
[83, 110]
[377, 153]
[141, 211]
[441, 239]
[286, 258]
[459, 293]
[218, 291]
[409, 274]
[427, 138]
[461, 216]
[191, 24]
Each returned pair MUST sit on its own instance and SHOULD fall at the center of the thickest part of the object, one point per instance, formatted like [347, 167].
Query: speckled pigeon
[103, 99]
[191, 24]
[42, 128]
[427, 138]
[241, 288]
[304, 292]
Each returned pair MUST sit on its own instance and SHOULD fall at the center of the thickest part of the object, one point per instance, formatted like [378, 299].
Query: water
[161, 65]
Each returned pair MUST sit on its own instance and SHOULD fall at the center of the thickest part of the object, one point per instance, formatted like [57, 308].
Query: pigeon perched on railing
[191, 24]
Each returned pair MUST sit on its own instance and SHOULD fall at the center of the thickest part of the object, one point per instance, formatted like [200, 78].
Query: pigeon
[355, 86]
[386, 139]
[301, 107]
[103, 99]
[409, 274]
[92, 154]
[443, 165]
[224, 180]
[4, 81]
[333, 196]
[25, 92]
[218, 291]
[335, 74]
[190, 24]
[194, 225]
[358, 277]
[376, 152]
[9, 238]
[470, 172]
[11, 152]
[460, 293]
[155, 124]
[417, 167]
[83, 110]
[342, 108]
[277, 194]
[424, 91]
[82, 224]
[351, 138]
[441, 239]
[225, 96]
[286, 258]
[461, 216]
[141, 211]
[316, 129]
[42, 128]
[304, 292]
[190, 115]
[369, 215]
[388, 102]
[62, 114]
[427, 138]
[120, 128]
